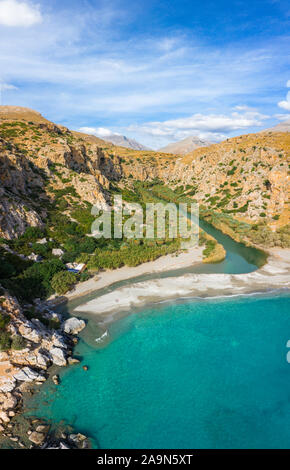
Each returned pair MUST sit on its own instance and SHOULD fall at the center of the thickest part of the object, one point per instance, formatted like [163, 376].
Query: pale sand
[273, 275]
[164, 263]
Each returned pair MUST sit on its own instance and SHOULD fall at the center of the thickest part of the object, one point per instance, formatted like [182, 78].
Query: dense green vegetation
[69, 231]
[63, 281]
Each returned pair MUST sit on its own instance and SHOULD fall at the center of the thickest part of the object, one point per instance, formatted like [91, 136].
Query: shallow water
[201, 374]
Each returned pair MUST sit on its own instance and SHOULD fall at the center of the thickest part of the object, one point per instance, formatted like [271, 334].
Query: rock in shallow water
[56, 379]
[73, 326]
[58, 357]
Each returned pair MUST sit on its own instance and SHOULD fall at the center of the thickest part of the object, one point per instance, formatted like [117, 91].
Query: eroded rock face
[73, 326]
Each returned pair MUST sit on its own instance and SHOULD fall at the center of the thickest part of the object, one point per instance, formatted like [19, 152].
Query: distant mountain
[185, 146]
[123, 141]
[281, 127]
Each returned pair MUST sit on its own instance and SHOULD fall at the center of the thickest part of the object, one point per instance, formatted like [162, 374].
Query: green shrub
[63, 281]
[6, 269]
[5, 341]
[4, 320]
[18, 343]
[32, 233]
[84, 277]
[209, 247]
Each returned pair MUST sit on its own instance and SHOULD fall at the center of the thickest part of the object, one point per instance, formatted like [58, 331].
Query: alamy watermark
[152, 220]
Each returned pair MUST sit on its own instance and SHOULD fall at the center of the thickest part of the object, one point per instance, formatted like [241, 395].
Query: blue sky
[157, 71]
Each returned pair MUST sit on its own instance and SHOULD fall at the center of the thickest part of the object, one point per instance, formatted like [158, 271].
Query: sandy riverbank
[165, 263]
[273, 275]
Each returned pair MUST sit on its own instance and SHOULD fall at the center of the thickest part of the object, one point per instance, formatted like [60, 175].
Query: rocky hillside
[39, 159]
[246, 176]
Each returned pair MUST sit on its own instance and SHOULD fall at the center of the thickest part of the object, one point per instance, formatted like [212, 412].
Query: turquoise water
[202, 374]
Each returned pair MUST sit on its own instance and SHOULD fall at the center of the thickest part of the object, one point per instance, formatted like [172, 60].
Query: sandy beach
[273, 275]
[165, 263]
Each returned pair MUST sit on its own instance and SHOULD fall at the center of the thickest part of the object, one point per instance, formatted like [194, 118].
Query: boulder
[4, 418]
[57, 252]
[38, 359]
[55, 379]
[72, 361]
[30, 333]
[58, 341]
[42, 241]
[28, 375]
[37, 438]
[77, 438]
[73, 326]
[7, 384]
[42, 360]
[9, 402]
[42, 428]
[58, 357]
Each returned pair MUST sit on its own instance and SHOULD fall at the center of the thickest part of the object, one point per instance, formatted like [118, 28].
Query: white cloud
[7, 86]
[17, 13]
[211, 126]
[98, 131]
[282, 117]
[285, 104]
[79, 65]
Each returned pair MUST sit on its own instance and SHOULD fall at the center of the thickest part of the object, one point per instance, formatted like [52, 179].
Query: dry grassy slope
[252, 169]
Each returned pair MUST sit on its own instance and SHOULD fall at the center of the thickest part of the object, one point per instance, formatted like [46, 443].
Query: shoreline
[273, 275]
[165, 263]
[43, 351]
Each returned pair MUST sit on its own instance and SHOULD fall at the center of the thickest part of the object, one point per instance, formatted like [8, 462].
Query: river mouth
[240, 259]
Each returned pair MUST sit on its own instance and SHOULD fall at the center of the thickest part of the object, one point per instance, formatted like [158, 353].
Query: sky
[156, 71]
